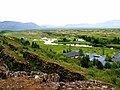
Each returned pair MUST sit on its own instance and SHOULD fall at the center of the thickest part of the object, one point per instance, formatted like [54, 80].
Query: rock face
[14, 62]
[21, 80]
[49, 67]
[24, 83]
[40, 77]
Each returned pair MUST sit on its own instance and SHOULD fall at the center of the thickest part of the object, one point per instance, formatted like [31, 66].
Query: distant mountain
[11, 25]
[108, 24]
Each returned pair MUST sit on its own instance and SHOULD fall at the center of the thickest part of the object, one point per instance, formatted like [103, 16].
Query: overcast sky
[59, 12]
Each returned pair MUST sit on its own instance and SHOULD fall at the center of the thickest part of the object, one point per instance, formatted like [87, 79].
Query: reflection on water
[50, 41]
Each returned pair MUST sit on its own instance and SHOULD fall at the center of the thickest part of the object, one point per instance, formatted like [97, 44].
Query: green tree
[27, 42]
[81, 52]
[95, 62]
[98, 64]
[64, 40]
[108, 58]
[85, 61]
[96, 41]
[74, 39]
[107, 65]
[22, 39]
[115, 65]
[33, 45]
[50, 50]
[64, 51]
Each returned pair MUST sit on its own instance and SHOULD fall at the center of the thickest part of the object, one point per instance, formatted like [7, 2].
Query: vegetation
[27, 48]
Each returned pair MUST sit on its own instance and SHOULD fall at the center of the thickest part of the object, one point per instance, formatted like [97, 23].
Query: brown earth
[25, 83]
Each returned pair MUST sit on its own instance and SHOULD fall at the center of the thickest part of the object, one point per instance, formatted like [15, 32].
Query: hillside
[12, 25]
[19, 59]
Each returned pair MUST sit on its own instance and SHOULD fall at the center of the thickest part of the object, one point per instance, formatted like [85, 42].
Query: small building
[116, 57]
[98, 57]
[74, 54]
[93, 56]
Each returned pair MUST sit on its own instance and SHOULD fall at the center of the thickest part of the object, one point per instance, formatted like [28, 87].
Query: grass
[107, 75]
[73, 42]
[114, 45]
[98, 50]
[60, 48]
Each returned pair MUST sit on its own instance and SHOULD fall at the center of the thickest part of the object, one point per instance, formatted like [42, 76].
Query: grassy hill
[22, 57]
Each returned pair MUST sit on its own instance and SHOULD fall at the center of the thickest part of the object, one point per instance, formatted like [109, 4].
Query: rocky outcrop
[13, 61]
[50, 67]
[39, 76]
[23, 83]
[21, 80]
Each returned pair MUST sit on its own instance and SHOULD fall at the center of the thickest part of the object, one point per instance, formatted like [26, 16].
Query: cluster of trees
[65, 51]
[74, 39]
[26, 42]
[35, 45]
[113, 65]
[68, 50]
[102, 41]
[116, 40]
[64, 40]
[94, 40]
[85, 62]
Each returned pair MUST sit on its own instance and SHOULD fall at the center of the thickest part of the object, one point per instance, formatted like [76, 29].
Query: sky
[60, 12]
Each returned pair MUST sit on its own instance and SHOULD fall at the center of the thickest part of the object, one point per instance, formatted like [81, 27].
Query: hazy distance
[59, 12]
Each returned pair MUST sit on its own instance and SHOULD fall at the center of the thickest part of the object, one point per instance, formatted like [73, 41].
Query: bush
[85, 61]
[115, 65]
[98, 64]
[107, 65]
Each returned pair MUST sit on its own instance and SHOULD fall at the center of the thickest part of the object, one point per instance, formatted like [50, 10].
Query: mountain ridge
[14, 25]
[107, 24]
